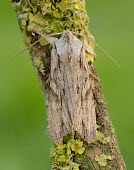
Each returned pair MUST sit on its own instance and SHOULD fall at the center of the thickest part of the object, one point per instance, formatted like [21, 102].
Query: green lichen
[63, 153]
[38, 19]
[113, 130]
[38, 62]
[27, 39]
[102, 159]
[90, 57]
[15, 4]
[71, 166]
[100, 137]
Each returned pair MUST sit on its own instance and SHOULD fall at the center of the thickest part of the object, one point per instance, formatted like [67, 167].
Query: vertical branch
[54, 16]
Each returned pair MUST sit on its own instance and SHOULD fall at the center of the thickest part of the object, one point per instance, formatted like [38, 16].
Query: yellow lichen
[71, 166]
[38, 18]
[90, 57]
[46, 7]
[63, 153]
[23, 23]
[53, 152]
[113, 130]
[37, 61]
[78, 147]
[100, 137]
[27, 40]
[102, 159]
[74, 166]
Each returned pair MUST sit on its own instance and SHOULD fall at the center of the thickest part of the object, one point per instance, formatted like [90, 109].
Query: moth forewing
[71, 105]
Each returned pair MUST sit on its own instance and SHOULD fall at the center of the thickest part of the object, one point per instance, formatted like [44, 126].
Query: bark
[54, 16]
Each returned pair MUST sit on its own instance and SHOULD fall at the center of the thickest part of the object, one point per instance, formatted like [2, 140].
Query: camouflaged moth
[71, 106]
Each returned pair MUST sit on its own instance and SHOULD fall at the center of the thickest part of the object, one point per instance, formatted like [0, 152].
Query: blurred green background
[24, 138]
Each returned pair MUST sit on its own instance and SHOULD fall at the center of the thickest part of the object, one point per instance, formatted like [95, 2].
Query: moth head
[67, 35]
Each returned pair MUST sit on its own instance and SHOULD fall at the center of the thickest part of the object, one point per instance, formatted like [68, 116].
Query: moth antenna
[105, 53]
[99, 48]
[28, 47]
[43, 37]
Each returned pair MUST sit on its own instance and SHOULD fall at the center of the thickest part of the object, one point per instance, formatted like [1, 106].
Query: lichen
[27, 39]
[101, 138]
[113, 130]
[63, 153]
[37, 61]
[102, 159]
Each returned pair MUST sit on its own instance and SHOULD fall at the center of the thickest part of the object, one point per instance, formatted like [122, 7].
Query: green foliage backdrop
[24, 138]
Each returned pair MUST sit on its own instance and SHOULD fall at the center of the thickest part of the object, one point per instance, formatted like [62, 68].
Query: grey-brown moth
[71, 106]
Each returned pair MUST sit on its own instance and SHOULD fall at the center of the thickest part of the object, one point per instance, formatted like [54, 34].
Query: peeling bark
[53, 16]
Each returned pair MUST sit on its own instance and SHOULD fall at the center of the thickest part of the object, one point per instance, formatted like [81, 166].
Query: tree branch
[54, 16]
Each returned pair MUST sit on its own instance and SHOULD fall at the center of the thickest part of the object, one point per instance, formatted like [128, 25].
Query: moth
[71, 106]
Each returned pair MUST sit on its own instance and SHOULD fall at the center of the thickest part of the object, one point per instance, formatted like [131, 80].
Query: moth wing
[71, 105]
[84, 116]
[60, 123]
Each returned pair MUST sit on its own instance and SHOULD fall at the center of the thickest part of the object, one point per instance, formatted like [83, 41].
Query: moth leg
[89, 50]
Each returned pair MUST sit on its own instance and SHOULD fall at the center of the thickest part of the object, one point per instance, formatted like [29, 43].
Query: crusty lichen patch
[63, 153]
